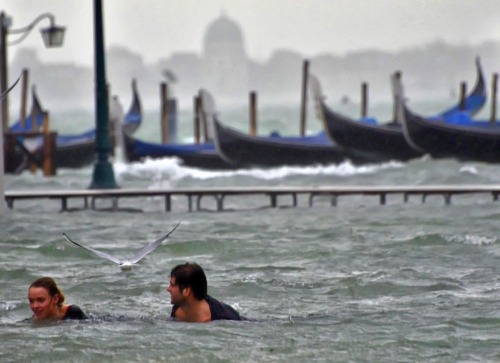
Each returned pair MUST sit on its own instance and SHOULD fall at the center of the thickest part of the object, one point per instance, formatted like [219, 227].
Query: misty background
[219, 58]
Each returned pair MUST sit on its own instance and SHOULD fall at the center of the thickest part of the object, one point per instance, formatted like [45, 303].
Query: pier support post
[311, 197]
[220, 202]
[64, 204]
[274, 200]
[168, 206]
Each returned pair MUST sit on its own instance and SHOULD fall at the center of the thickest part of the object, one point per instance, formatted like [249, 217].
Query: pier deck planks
[334, 191]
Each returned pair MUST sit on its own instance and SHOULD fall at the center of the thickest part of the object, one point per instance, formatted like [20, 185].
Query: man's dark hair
[191, 275]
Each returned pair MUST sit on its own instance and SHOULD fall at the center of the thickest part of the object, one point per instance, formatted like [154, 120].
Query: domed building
[224, 58]
[223, 35]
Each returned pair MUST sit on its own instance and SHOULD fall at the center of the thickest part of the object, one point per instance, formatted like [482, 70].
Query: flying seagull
[126, 265]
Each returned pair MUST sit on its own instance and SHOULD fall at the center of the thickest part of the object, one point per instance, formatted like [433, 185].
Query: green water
[360, 282]
[357, 282]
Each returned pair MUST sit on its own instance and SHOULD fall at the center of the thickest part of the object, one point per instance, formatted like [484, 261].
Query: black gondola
[243, 150]
[380, 142]
[466, 141]
[72, 151]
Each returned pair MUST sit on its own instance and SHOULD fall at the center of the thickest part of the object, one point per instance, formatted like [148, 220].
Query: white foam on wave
[472, 239]
[469, 169]
[171, 168]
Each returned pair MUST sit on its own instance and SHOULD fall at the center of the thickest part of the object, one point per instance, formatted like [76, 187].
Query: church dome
[223, 30]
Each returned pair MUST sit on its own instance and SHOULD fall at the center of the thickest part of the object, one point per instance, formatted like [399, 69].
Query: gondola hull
[243, 150]
[382, 142]
[71, 151]
[80, 150]
[17, 157]
[203, 156]
[445, 140]
[375, 142]
[75, 155]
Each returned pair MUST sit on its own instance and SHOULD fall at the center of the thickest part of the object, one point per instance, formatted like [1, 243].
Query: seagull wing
[98, 253]
[150, 247]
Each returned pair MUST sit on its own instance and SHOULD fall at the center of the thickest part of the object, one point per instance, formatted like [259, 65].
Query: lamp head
[53, 36]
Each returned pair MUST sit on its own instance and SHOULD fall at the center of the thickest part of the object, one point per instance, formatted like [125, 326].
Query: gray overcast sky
[156, 28]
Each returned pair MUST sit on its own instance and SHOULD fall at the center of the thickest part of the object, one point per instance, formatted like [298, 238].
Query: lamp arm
[27, 29]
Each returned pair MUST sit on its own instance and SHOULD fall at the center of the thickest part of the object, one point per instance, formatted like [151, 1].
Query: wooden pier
[194, 196]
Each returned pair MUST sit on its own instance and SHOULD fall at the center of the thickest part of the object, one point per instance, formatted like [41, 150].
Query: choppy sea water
[359, 282]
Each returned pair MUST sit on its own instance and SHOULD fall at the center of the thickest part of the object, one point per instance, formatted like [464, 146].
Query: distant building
[225, 64]
[222, 67]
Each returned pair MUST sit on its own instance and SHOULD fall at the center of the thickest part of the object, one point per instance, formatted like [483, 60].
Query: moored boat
[76, 151]
[464, 138]
[17, 156]
[203, 155]
[243, 151]
[72, 151]
[380, 142]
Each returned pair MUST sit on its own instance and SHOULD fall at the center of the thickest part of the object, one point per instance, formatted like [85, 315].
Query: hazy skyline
[157, 28]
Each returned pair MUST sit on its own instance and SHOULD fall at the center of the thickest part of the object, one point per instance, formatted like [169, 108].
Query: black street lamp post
[103, 176]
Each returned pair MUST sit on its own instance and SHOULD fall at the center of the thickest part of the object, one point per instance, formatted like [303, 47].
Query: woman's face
[42, 304]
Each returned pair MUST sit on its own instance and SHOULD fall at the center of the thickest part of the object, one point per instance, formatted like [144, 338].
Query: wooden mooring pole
[34, 126]
[197, 121]
[34, 111]
[165, 126]
[24, 96]
[49, 148]
[9, 147]
[397, 77]
[364, 99]
[494, 87]
[303, 111]
[253, 113]
[463, 94]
